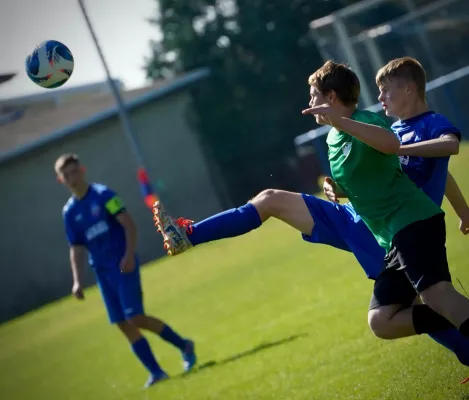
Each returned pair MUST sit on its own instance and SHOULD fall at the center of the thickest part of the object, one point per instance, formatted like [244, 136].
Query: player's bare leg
[444, 308]
[149, 323]
[130, 331]
[397, 321]
[391, 322]
[288, 207]
[181, 234]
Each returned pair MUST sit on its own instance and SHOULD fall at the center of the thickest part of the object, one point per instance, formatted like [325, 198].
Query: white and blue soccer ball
[50, 65]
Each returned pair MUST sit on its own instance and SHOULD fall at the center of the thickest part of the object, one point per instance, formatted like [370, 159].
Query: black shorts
[416, 261]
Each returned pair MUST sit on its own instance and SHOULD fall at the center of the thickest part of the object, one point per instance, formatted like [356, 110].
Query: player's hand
[77, 291]
[329, 188]
[325, 113]
[127, 263]
[464, 222]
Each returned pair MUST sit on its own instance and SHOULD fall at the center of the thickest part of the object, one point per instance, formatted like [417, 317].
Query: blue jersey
[429, 174]
[91, 222]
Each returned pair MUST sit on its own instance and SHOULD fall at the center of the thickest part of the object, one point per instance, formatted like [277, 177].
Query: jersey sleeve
[112, 202]
[440, 126]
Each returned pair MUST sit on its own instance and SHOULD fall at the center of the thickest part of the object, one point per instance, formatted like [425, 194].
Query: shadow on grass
[247, 353]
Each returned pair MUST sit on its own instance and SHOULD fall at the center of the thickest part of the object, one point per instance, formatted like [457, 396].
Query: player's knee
[265, 199]
[267, 202]
[131, 331]
[378, 321]
[138, 321]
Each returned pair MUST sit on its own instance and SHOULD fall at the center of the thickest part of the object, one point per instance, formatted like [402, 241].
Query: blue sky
[120, 25]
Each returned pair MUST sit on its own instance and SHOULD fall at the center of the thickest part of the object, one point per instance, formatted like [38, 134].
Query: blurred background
[214, 90]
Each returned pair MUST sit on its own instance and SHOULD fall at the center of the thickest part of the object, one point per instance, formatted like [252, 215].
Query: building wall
[35, 266]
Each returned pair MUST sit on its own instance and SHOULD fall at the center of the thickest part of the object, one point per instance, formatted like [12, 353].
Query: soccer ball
[50, 64]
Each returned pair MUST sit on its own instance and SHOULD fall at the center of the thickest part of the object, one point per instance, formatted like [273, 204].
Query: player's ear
[59, 179]
[410, 87]
[82, 168]
[332, 97]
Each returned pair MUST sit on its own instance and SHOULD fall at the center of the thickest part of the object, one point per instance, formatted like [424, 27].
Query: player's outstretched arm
[77, 262]
[443, 146]
[374, 136]
[458, 202]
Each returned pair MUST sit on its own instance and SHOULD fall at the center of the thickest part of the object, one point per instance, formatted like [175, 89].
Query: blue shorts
[339, 226]
[122, 293]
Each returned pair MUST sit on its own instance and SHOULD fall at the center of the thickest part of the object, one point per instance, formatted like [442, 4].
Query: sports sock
[142, 350]
[453, 340]
[172, 337]
[230, 223]
[428, 321]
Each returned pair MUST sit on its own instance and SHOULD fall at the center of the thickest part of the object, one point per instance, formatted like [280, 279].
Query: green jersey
[380, 192]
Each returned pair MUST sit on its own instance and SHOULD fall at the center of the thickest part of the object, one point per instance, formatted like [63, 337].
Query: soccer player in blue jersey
[339, 225]
[97, 222]
[427, 141]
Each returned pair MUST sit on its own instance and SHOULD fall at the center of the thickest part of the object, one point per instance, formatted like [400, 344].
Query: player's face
[317, 99]
[72, 175]
[394, 97]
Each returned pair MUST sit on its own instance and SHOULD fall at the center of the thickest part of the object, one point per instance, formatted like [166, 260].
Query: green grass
[273, 318]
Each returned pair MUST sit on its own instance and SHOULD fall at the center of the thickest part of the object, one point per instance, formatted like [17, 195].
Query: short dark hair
[406, 68]
[339, 78]
[64, 160]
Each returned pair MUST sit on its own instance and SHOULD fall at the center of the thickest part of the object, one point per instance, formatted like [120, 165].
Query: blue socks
[172, 337]
[453, 340]
[230, 223]
[142, 350]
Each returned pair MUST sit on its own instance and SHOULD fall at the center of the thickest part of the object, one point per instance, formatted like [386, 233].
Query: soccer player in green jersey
[403, 219]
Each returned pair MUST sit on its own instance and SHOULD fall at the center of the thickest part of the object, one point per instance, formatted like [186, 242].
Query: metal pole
[322, 52]
[374, 52]
[123, 115]
[347, 46]
[120, 104]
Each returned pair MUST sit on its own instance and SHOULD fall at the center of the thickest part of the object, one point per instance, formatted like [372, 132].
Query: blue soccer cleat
[155, 378]
[189, 356]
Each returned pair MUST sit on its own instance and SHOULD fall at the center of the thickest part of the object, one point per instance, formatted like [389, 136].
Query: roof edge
[157, 94]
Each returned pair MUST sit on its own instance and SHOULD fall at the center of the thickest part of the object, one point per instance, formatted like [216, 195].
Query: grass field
[272, 316]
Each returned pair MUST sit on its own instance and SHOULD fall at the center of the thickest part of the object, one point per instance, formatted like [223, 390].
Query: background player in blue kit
[96, 221]
[338, 225]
